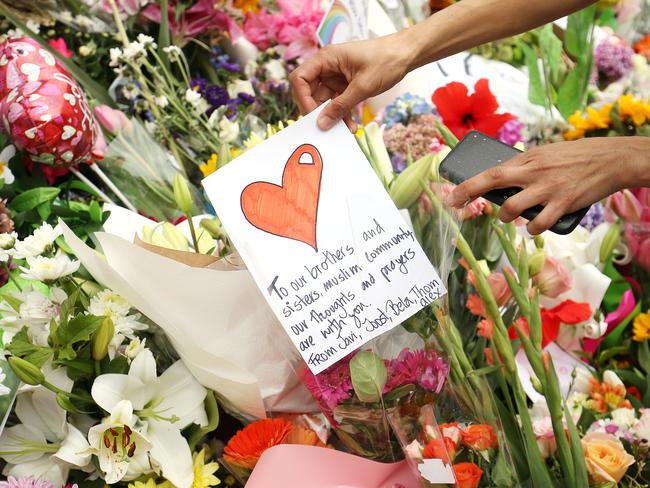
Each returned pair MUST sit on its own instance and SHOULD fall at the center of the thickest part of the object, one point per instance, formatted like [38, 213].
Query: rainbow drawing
[337, 25]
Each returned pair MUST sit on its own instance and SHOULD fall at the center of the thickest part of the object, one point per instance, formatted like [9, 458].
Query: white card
[327, 247]
[437, 471]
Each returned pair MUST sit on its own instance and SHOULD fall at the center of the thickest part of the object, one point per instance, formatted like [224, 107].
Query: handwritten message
[333, 256]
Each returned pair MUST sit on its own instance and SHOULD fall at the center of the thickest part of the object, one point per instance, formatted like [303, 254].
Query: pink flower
[293, 27]
[472, 210]
[626, 205]
[60, 46]
[330, 387]
[423, 367]
[637, 235]
[25, 482]
[543, 429]
[476, 305]
[112, 120]
[554, 278]
[199, 18]
[500, 288]
[127, 7]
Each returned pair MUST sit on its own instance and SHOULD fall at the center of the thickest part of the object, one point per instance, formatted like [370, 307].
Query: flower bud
[213, 226]
[64, 402]
[539, 241]
[536, 384]
[182, 194]
[25, 371]
[101, 339]
[610, 241]
[554, 278]
[405, 189]
[536, 262]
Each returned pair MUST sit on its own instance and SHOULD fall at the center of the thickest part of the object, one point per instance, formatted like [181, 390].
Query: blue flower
[404, 108]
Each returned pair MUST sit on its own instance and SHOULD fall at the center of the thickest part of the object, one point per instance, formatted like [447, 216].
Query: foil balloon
[42, 107]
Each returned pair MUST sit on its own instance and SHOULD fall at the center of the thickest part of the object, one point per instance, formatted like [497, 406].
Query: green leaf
[581, 476]
[536, 92]
[369, 376]
[512, 433]
[484, 371]
[611, 352]
[644, 356]
[551, 50]
[31, 199]
[635, 377]
[92, 87]
[163, 34]
[399, 392]
[570, 97]
[579, 25]
[22, 347]
[95, 211]
[646, 393]
[448, 136]
[78, 329]
[44, 210]
[614, 337]
[195, 432]
[119, 365]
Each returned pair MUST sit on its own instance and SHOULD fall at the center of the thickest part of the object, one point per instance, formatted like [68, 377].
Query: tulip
[112, 120]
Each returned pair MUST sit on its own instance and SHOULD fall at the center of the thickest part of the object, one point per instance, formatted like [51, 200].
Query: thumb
[341, 106]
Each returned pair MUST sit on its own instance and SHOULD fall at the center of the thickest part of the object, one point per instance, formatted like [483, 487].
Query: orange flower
[306, 437]
[643, 47]
[246, 447]
[468, 475]
[479, 437]
[606, 397]
[440, 449]
[476, 305]
[485, 329]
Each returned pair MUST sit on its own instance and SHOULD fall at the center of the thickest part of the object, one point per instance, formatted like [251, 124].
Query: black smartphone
[476, 153]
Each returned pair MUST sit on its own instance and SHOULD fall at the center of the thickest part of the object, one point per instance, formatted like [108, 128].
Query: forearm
[469, 23]
[635, 152]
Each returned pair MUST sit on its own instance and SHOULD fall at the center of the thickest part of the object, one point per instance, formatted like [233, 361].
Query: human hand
[348, 74]
[564, 177]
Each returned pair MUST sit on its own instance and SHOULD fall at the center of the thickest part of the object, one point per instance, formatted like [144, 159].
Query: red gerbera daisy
[462, 112]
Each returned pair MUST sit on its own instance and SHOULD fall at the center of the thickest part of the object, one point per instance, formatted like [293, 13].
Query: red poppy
[462, 112]
[567, 312]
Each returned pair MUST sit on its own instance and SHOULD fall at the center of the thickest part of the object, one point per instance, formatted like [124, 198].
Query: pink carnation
[26, 482]
[423, 367]
[330, 387]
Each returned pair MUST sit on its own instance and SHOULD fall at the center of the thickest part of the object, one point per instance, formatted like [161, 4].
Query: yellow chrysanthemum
[641, 327]
[601, 118]
[204, 473]
[247, 5]
[210, 166]
[151, 483]
[633, 109]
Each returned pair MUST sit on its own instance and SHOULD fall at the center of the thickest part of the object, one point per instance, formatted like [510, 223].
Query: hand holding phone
[476, 153]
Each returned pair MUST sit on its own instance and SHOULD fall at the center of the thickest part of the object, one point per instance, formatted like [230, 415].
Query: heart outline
[309, 182]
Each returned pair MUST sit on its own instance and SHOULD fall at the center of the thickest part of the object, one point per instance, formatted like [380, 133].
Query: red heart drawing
[289, 210]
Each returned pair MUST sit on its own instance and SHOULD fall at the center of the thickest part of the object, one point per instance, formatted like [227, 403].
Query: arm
[349, 73]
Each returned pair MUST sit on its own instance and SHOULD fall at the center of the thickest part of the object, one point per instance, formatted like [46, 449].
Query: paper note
[437, 471]
[345, 20]
[333, 256]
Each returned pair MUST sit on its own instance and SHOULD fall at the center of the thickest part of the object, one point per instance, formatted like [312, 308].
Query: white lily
[44, 445]
[5, 156]
[118, 445]
[164, 405]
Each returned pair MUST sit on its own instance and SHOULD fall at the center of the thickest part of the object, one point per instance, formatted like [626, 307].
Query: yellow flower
[636, 110]
[601, 118]
[606, 458]
[641, 327]
[247, 5]
[204, 473]
[151, 483]
[209, 167]
[580, 124]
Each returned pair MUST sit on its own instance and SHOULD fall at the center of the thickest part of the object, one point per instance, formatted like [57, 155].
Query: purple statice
[221, 61]
[25, 482]
[423, 367]
[405, 108]
[594, 217]
[510, 132]
[399, 162]
[612, 59]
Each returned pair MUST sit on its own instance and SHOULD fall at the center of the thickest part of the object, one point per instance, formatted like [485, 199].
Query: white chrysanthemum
[133, 51]
[146, 41]
[39, 242]
[45, 269]
[161, 101]
[173, 52]
[8, 240]
[135, 347]
[115, 55]
[109, 304]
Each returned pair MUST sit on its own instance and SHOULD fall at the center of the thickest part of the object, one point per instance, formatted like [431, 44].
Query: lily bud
[539, 241]
[64, 402]
[101, 339]
[536, 262]
[406, 188]
[378, 154]
[213, 226]
[536, 384]
[223, 157]
[27, 372]
[182, 194]
[610, 241]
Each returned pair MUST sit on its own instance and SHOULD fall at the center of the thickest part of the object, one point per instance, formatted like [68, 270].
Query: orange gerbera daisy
[247, 446]
[606, 397]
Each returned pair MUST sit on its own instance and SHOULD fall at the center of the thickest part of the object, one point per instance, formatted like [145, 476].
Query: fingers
[546, 218]
[303, 80]
[501, 176]
[340, 107]
[514, 206]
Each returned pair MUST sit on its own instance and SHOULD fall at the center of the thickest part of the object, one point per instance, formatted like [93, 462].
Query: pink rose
[554, 278]
[112, 120]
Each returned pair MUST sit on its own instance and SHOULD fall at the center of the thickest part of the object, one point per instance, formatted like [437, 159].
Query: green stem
[195, 241]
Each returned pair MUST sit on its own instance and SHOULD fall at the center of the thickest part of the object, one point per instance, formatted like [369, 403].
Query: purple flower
[594, 217]
[611, 429]
[25, 482]
[223, 62]
[612, 59]
[510, 133]
[399, 162]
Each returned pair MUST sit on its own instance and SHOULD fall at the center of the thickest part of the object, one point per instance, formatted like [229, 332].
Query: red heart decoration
[289, 210]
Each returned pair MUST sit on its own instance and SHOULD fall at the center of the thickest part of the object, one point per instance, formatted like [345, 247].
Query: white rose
[240, 86]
